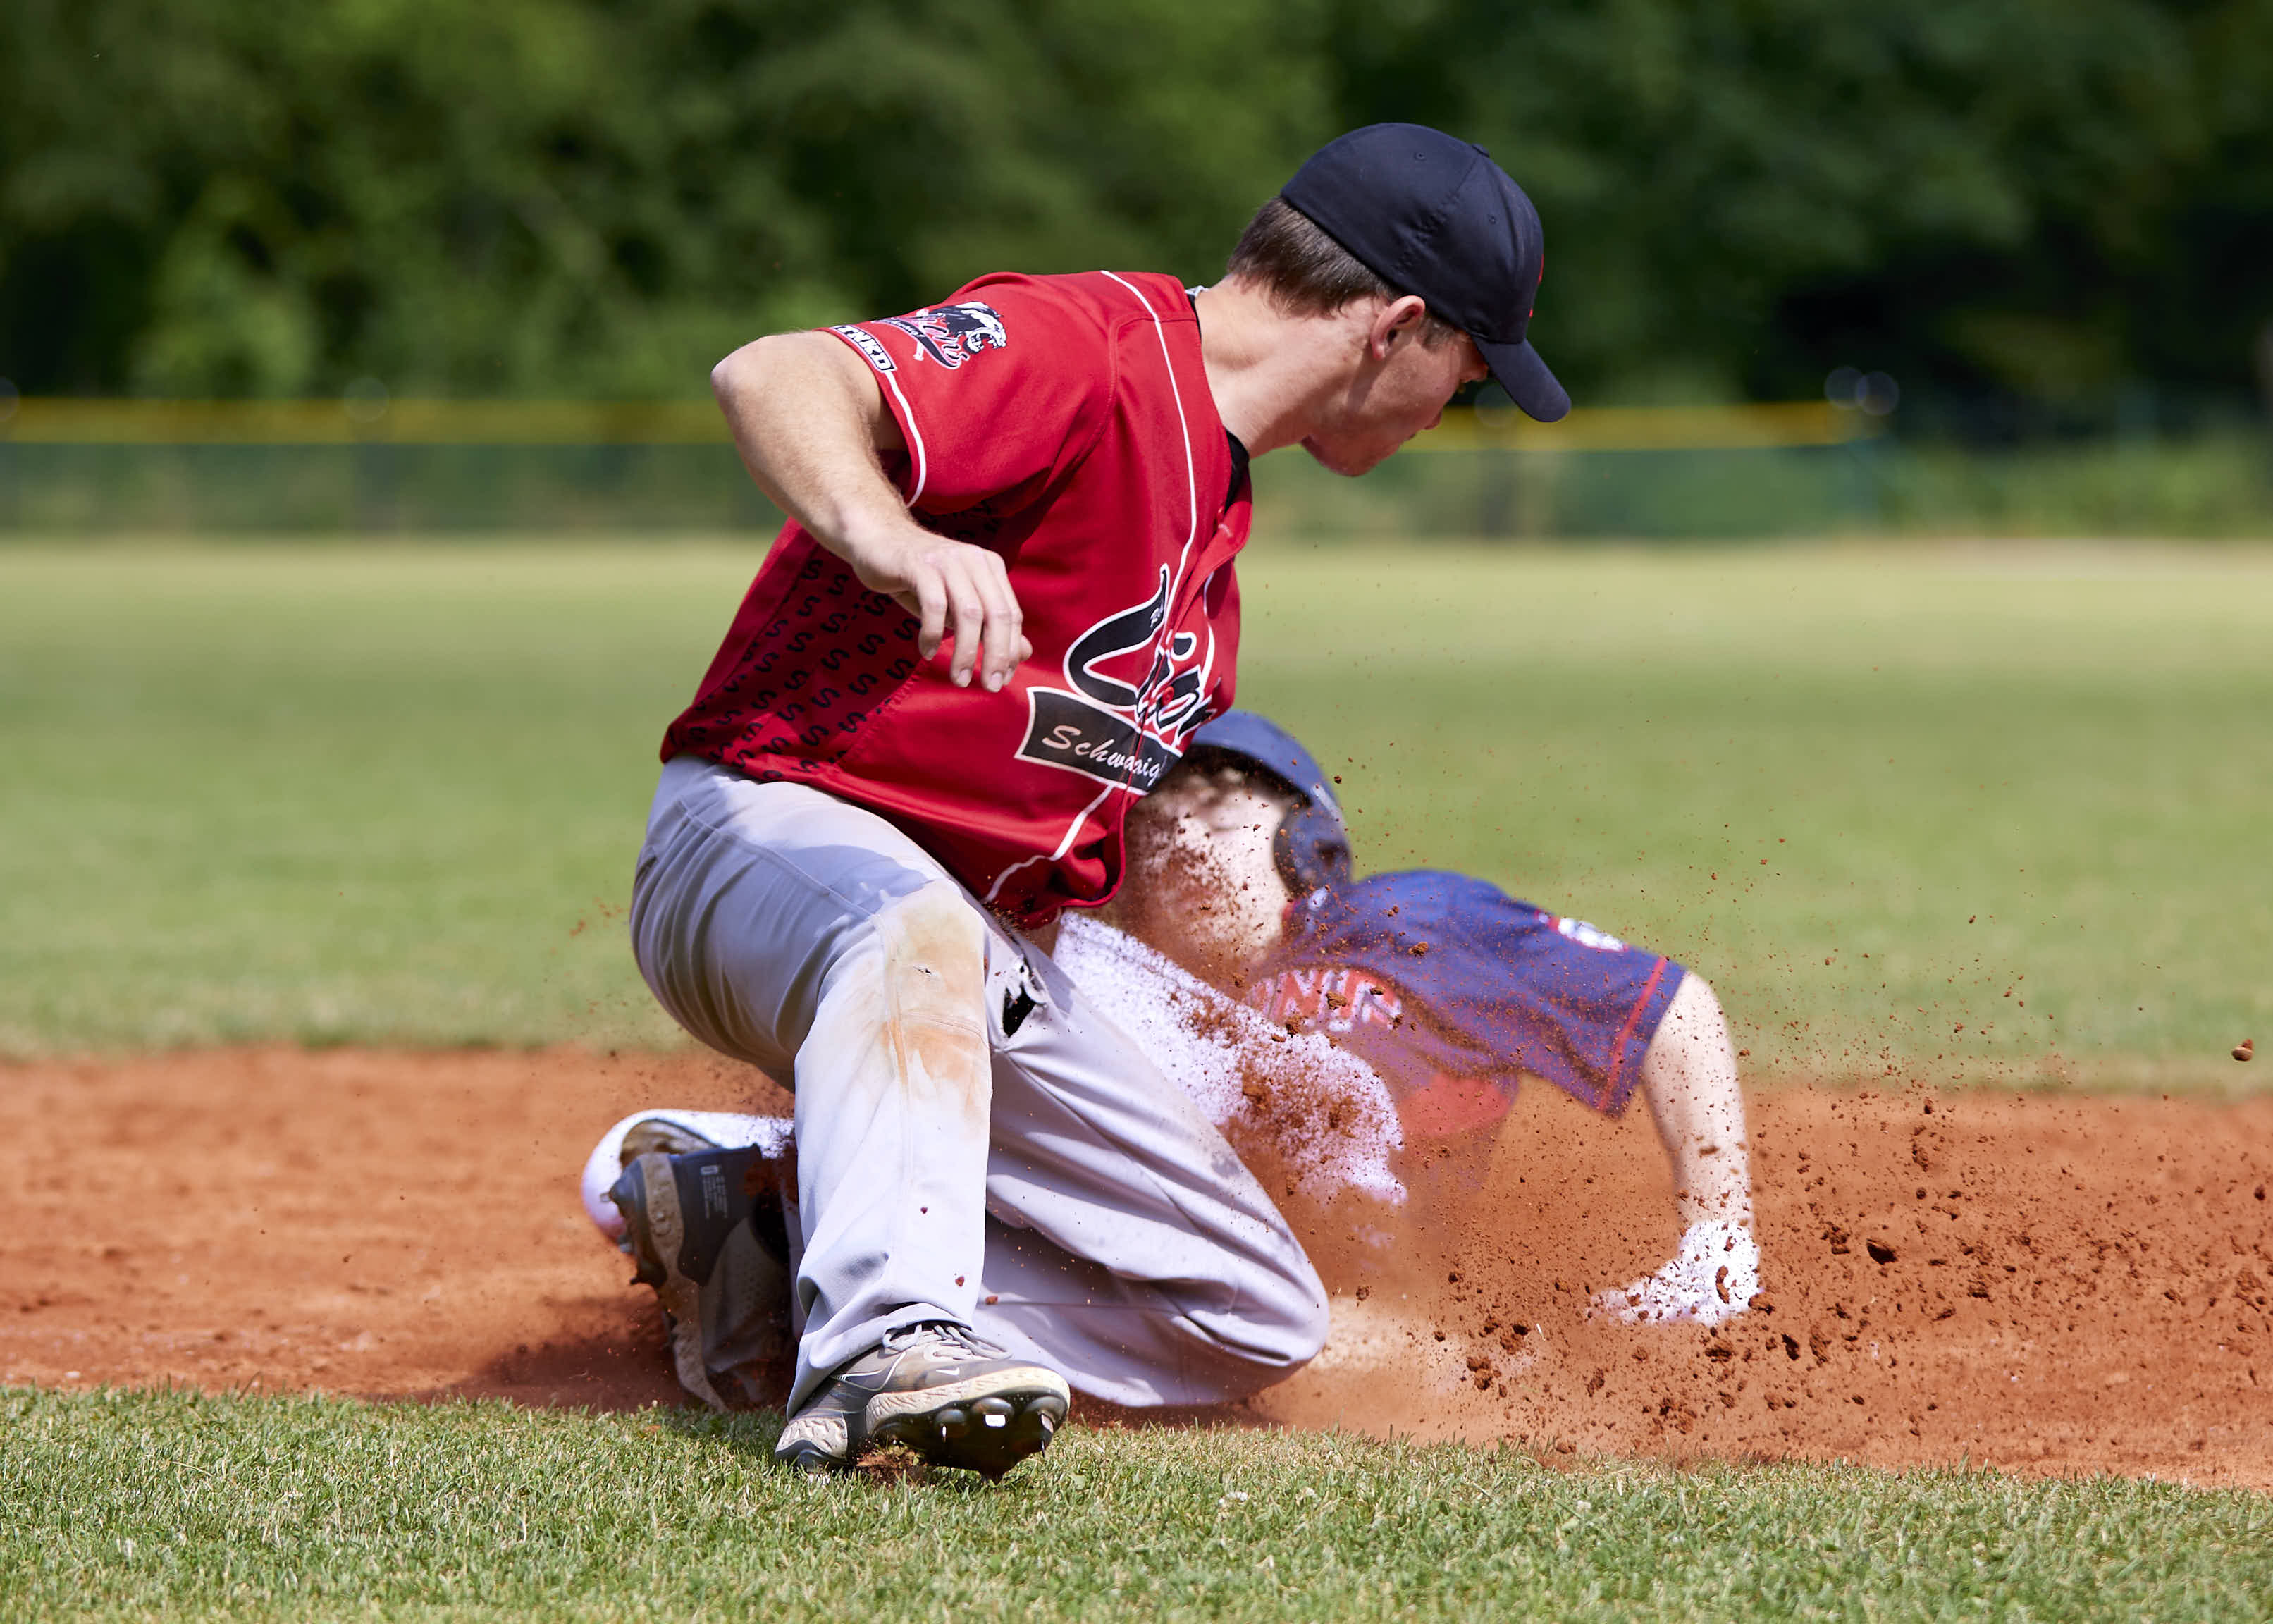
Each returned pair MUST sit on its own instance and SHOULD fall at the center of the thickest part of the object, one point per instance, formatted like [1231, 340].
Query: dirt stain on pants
[935, 970]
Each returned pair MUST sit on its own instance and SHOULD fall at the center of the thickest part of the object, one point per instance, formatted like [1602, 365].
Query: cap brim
[1517, 369]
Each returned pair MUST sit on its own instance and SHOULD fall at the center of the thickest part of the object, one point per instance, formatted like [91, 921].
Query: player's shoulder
[1408, 901]
[1426, 889]
[1102, 303]
[1069, 339]
[1412, 923]
[1457, 910]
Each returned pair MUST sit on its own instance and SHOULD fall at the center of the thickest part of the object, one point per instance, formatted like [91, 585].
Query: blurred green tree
[2031, 201]
[2018, 196]
[590, 196]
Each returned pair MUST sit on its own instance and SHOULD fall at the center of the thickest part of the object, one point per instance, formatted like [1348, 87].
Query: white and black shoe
[953, 1398]
[705, 1229]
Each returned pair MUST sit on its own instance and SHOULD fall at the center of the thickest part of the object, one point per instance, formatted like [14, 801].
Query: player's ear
[1397, 322]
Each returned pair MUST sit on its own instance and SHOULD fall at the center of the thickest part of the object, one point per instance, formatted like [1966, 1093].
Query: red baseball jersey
[1065, 423]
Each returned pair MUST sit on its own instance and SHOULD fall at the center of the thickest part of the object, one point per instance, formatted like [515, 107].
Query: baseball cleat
[1712, 1280]
[951, 1397]
[715, 1254]
[660, 1136]
[675, 1132]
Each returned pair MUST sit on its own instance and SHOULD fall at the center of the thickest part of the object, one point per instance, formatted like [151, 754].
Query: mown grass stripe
[173, 1504]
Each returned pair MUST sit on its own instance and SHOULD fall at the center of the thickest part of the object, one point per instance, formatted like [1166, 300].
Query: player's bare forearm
[1689, 1077]
[810, 424]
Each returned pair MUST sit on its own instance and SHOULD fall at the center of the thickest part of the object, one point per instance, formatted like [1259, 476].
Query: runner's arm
[1689, 1077]
[810, 423]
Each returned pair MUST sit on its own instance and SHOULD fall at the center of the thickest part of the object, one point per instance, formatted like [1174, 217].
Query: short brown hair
[1307, 272]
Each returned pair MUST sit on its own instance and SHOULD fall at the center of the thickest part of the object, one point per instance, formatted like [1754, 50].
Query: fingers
[962, 592]
[970, 632]
[928, 589]
[1000, 641]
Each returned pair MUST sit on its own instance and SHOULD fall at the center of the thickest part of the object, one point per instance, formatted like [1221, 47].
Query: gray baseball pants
[975, 1141]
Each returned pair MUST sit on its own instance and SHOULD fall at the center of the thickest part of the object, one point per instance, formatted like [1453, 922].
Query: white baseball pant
[976, 1141]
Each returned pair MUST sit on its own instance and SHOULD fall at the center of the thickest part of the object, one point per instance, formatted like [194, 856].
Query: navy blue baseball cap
[1433, 216]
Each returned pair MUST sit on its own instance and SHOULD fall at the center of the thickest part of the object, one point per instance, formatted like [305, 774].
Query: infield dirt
[2050, 1282]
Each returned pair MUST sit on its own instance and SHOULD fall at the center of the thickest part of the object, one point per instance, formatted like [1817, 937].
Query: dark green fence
[88, 469]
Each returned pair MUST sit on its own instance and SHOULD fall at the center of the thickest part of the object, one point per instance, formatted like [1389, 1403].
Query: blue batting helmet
[1312, 846]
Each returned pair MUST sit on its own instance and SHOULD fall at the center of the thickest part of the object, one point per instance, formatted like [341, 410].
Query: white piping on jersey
[908, 417]
[1207, 660]
[1064, 845]
[862, 342]
[1191, 477]
[1184, 562]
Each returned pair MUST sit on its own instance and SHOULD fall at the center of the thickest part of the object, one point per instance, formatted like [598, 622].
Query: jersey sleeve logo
[952, 334]
[1585, 935]
[865, 341]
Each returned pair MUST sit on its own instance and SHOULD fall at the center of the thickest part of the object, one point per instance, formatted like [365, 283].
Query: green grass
[329, 795]
[334, 794]
[2034, 769]
[174, 1506]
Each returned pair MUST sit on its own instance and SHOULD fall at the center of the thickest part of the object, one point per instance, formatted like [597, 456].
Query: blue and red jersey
[1452, 990]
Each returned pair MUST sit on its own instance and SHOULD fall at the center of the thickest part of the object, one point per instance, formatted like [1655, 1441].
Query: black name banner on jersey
[1065, 730]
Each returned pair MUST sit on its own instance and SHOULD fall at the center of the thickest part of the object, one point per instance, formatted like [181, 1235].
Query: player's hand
[958, 591]
[1713, 1279]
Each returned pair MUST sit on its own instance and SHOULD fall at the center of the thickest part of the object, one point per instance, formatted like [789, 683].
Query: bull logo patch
[952, 334]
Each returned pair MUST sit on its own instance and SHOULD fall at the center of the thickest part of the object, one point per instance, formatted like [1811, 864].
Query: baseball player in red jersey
[1002, 604]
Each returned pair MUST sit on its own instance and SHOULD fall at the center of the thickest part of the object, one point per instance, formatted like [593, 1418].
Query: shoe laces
[947, 1331]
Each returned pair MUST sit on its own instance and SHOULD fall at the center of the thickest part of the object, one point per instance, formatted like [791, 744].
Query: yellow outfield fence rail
[368, 421]
[53, 421]
[1788, 426]
[366, 463]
